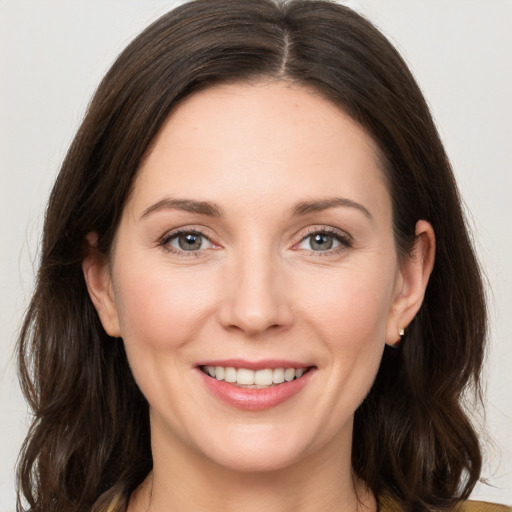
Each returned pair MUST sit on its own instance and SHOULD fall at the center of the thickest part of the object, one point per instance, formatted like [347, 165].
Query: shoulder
[387, 504]
[483, 506]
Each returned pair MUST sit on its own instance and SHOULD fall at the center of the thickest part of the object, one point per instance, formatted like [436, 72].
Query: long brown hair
[90, 438]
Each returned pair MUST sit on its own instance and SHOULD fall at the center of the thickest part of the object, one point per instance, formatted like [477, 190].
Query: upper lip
[261, 364]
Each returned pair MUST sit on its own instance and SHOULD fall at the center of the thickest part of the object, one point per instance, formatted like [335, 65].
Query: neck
[183, 480]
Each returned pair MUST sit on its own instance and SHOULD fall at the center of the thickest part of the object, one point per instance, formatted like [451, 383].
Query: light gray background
[53, 54]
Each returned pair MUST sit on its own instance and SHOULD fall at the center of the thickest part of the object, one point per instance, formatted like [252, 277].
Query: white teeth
[278, 376]
[289, 374]
[245, 377]
[230, 374]
[263, 378]
[249, 378]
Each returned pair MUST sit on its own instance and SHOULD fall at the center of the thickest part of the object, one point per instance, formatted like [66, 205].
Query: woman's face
[257, 241]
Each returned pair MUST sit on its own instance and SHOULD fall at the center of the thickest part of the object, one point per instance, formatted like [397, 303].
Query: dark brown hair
[90, 437]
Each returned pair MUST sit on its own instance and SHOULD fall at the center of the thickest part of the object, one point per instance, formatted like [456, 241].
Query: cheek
[161, 312]
[161, 307]
[347, 312]
[350, 306]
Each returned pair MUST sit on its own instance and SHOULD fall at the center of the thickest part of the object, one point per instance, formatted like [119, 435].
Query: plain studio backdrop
[53, 54]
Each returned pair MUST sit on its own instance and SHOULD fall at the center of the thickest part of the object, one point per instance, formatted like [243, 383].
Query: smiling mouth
[254, 379]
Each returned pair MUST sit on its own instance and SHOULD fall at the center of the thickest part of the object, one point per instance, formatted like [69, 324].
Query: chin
[252, 459]
[261, 447]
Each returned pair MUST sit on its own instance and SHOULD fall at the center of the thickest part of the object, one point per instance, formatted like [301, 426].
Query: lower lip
[251, 399]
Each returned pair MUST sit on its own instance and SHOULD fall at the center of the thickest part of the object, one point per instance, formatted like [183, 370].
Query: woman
[237, 305]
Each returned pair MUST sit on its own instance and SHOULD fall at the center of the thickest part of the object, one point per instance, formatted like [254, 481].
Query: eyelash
[167, 238]
[344, 240]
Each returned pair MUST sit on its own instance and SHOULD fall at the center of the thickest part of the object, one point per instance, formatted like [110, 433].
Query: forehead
[257, 140]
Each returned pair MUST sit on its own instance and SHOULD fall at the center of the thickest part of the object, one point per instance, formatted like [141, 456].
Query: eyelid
[164, 241]
[345, 240]
[329, 230]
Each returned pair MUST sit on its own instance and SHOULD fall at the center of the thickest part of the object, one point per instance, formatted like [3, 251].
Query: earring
[401, 332]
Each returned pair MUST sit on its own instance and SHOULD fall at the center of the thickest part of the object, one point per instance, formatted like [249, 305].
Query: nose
[255, 297]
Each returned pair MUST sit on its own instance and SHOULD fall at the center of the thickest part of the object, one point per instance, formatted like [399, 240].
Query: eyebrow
[305, 207]
[211, 209]
[186, 205]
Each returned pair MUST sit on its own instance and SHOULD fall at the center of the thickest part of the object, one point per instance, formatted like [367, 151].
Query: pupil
[190, 242]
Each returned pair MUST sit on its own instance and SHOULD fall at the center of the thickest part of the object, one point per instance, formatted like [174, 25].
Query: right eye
[186, 241]
[321, 242]
[325, 241]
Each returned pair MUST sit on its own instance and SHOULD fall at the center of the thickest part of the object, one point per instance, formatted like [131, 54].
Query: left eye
[188, 241]
[320, 242]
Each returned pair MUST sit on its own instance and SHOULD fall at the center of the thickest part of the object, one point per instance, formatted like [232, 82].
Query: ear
[98, 279]
[412, 282]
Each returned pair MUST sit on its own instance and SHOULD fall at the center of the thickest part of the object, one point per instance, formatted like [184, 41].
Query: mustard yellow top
[387, 504]
[482, 506]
